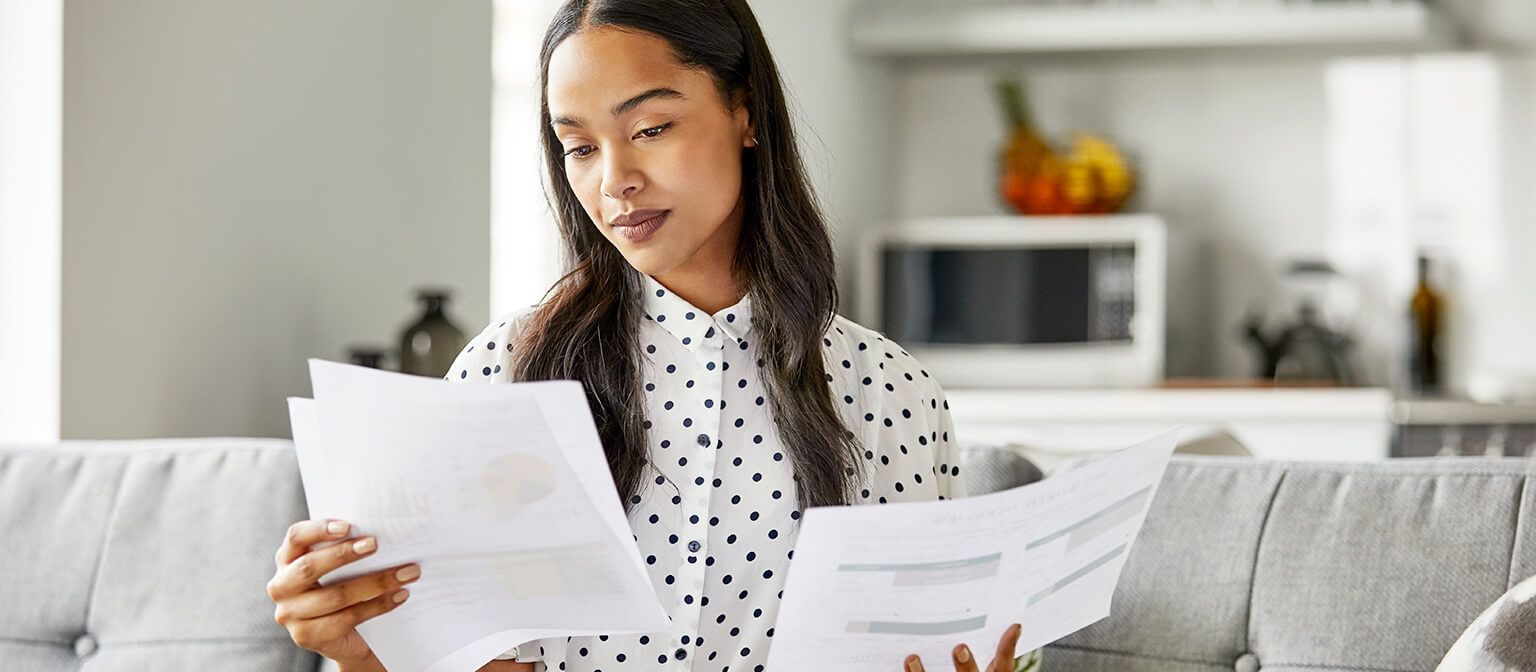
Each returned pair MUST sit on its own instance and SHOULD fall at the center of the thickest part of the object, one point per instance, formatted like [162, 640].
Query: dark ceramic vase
[429, 345]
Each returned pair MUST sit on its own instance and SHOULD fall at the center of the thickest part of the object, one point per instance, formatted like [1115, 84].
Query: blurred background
[1307, 227]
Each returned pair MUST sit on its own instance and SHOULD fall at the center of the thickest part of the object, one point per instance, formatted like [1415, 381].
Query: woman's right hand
[324, 619]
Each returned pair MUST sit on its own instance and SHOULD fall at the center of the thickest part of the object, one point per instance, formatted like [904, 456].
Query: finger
[1003, 661]
[305, 571]
[914, 664]
[505, 666]
[315, 633]
[319, 602]
[964, 661]
[306, 533]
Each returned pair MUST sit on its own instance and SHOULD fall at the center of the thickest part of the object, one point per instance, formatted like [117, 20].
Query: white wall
[30, 44]
[525, 238]
[248, 183]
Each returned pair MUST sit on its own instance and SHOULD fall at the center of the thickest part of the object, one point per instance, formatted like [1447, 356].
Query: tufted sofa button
[1246, 663]
[85, 645]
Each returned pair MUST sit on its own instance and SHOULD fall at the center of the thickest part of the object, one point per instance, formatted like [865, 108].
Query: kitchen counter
[1326, 424]
[1462, 412]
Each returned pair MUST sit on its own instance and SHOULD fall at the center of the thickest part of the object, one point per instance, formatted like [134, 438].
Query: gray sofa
[154, 555]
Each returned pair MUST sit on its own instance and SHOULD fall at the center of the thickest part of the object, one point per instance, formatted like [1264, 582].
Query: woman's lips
[643, 231]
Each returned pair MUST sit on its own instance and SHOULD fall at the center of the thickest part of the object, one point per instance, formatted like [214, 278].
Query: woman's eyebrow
[658, 93]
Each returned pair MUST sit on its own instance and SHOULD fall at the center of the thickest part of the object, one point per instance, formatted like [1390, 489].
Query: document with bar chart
[870, 584]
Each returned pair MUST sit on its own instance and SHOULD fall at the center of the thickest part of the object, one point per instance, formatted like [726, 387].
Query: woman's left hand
[961, 656]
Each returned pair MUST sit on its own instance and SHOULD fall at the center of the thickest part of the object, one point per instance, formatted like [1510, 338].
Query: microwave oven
[1021, 302]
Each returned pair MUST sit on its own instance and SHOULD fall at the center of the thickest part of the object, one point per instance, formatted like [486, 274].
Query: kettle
[1306, 350]
[1303, 352]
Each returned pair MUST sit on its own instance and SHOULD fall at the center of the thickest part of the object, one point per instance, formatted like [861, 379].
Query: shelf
[956, 28]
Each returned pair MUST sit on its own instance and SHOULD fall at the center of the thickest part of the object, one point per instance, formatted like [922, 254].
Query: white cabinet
[1319, 424]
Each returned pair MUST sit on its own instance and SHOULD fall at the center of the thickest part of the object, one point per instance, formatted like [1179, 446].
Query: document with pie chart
[500, 492]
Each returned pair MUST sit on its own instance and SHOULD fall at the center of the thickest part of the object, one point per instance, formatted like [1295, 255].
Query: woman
[699, 312]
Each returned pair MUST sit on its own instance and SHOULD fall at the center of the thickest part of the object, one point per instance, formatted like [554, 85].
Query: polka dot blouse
[717, 519]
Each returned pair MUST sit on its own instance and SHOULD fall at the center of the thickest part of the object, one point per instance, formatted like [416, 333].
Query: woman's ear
[744, 117]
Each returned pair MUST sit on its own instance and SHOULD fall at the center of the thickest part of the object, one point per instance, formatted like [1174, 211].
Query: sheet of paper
[500, 492]
[871, 584]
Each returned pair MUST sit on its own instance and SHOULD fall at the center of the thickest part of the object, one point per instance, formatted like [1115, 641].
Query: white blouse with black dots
[717, 519]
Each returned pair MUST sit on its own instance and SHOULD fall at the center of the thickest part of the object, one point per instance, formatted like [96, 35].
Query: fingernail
[400, 596]
[963, 654]
[913, 665]
[336, 527]
[409, 573]
[363, 545]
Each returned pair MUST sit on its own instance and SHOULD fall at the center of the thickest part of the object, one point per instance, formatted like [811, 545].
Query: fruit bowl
[1094, 178]
[1035, 178]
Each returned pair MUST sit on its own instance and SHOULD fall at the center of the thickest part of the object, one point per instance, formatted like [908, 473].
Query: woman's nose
[620, 177]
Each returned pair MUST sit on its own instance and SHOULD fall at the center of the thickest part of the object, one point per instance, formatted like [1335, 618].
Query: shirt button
[694, 546]
[704, 439]
[680, 654]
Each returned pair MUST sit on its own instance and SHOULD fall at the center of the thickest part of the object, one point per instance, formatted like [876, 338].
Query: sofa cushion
[145, 554]
[990, 468]
[1309, 566]
[1183, 594]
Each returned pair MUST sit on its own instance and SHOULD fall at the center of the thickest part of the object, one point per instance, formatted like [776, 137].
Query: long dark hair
[587, 327]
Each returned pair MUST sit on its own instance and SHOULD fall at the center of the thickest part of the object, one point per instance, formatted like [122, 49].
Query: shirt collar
[694, 327]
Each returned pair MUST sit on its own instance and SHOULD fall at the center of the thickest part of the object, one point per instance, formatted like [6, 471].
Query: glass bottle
[429, 345]
[1425, 312]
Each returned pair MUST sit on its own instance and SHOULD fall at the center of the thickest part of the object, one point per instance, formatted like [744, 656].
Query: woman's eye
[582, 151]
[658, 130]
